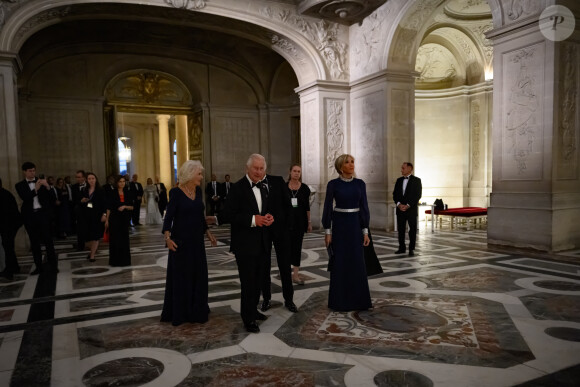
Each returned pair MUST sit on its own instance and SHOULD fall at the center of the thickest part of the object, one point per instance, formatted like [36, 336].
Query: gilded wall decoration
[196, 134]
[522, 121]
[568, 127]
[148, 87]
[335, 127]
[518, 8]
[324, 36]
[186, 4]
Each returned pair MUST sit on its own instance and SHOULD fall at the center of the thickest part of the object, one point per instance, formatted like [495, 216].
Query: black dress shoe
[265, 305]
[35, 272]
[291, 307]
[400, 251]
[261, 317]
[411, 253]
[252, 327]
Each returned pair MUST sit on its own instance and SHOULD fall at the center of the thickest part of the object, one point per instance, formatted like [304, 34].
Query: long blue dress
[349, 287]
[186, 286]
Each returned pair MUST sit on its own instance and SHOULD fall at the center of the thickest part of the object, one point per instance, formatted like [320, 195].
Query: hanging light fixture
[125, 152]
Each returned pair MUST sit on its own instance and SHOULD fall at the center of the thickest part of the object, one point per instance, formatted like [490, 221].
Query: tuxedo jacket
[162, 191]
[137, 191]
[27, 195]
[223, 191]
[77, 193]
[413, 193]
[209, 191]
[10, 218]
[239, 209]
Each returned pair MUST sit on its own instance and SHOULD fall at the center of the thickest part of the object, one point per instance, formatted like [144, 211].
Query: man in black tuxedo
[77, 194]
[407, 192]
[224, 189]
[137, 190]
[281, 205]
[162, 191]
[212, 195]
[36, 215]
[248, 211]
[10, 222]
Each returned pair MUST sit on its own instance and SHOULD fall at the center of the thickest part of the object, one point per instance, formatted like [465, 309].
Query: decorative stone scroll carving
[286, 46]
[369, 37]
[475, 137]
[334, 131]
[568, 127]
[324, 36]
[186, 4]
[41, 18]
[522, 122]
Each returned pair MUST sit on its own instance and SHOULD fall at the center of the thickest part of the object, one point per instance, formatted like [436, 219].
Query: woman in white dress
[151, 198]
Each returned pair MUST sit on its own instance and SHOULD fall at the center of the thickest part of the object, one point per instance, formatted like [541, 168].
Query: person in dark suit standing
[212, 195]
[162, 191]
[36, 215]
[406, 195]
[10, 222]
[280, 205]
[247, 210]
[137, 190]
[224, 189]
[77, 194]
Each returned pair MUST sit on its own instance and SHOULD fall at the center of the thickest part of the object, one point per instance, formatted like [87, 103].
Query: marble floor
[459, 313]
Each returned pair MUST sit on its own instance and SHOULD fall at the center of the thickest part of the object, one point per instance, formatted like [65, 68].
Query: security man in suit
[406, 195]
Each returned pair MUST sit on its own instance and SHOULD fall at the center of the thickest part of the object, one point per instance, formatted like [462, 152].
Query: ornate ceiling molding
[345, 12]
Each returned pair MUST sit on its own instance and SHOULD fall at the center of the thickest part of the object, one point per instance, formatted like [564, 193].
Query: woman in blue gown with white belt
[346, 227]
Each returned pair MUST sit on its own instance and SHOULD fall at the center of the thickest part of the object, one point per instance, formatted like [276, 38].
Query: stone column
[164, 150]
[9, 128]
[182, 139]
[535, 201]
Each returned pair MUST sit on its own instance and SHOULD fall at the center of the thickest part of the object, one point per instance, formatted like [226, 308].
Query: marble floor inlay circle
[564, 333]
[400, 318]
[126, 371]
[90, 271]
[395, 284]
[402, 378]
[558, 285]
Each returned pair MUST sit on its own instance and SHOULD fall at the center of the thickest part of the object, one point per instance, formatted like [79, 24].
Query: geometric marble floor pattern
[458, 313]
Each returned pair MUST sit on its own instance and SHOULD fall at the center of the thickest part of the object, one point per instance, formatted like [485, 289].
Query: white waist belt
[347, 209]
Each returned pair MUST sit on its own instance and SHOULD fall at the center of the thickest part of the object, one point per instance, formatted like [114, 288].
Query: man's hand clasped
[264, 221]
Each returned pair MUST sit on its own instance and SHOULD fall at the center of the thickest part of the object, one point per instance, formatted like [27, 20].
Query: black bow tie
[405, 177]
[258, 184]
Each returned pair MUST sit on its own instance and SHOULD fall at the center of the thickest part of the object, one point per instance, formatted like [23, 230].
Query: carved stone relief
[324, 36]
[518, 8]
[475, 139]
[335, 128]
[311, 163]
[196, 132]
[5, 9]
[186, 4]
[522, 134]
[289, 48]
[42, 18]
[568, 126]
[366, 53]
[368, 137]
[437, 67]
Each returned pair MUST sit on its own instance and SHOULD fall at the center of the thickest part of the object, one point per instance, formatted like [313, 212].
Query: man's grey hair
[256, 156]
[188, 170]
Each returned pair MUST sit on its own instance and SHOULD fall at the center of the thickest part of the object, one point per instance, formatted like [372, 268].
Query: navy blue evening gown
[186, 286]
[349, 287]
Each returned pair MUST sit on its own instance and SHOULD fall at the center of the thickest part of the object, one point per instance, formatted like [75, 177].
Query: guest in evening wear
[151, 200]
[186, 286]
[300, 222]
[10, 222]
[94, 213]
[62, 207]
[406, 195]
[137, 191]
[76, 191]
[346, 229]
[162, 191]
[119, 210]
[212, 195]
[35, 212]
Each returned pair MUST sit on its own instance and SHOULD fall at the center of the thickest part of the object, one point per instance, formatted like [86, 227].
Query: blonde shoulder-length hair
[340, 160]
[188, 170]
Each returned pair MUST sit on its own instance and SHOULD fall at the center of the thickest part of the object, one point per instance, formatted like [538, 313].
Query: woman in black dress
[93, 211]
[186, 287]
[119, 207]
[300, 222]
[62, 208]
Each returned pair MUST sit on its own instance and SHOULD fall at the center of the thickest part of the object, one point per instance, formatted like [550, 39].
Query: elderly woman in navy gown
[186, 287]
[346, 229]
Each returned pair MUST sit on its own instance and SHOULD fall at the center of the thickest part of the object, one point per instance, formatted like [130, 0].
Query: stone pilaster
[164, 150]
[9, 123]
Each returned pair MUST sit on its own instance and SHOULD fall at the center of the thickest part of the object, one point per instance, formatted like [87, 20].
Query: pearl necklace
[348, 180]
[190, 194]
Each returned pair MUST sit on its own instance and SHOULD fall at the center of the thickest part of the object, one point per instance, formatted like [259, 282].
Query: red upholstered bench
[463, 213]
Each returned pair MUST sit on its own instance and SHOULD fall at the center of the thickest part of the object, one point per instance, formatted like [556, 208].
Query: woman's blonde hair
[188, 170]
[340, 160]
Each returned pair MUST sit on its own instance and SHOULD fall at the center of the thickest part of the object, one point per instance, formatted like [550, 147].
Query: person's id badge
[89, 205]
[294, 202]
